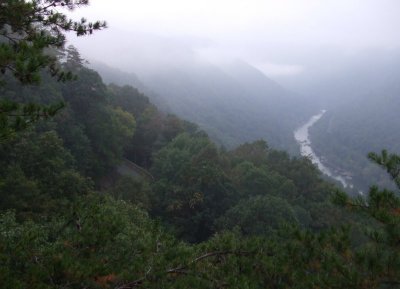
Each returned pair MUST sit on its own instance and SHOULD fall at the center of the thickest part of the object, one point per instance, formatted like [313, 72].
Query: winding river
[303, 139]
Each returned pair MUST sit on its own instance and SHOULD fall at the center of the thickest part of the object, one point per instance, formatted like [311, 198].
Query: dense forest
[101, 189]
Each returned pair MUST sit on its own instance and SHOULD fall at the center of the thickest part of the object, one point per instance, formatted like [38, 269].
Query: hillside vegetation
[367, 121]
[203, 217]
[68, 220]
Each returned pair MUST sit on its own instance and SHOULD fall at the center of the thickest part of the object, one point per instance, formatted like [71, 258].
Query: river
[303, 139]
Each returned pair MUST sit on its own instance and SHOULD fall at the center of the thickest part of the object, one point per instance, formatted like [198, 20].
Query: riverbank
[302, 137]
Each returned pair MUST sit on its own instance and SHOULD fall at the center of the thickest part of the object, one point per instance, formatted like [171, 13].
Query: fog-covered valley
[199, 144]
[233, 102]
[236, 102]
[263, 82]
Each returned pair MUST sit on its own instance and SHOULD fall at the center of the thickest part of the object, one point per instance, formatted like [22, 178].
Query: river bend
[302, 137]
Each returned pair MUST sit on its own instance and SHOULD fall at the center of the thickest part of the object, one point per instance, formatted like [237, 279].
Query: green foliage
[258, 216]
[94, 130]
[134, 190]
[20, 193]
[251, 181]
[380, 257]
[233, 204]
[390, 162]
[110, 130]
[348, 132]
[196, 185]
[16, 117]
[192, 189]
[28, 29]
[55, 232]
[234, 102]
[100, 244]
[255, 152]
[129, 98]
[34, 184]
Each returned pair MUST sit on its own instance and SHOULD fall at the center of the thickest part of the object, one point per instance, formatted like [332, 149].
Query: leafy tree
[260, 215]
[192, 190]
[35, 185]
[20, 193]
[251, 181]
[133, 189]
[110, 130]
[76, 140]
[129, 98]
[98, 129]
[255, 152]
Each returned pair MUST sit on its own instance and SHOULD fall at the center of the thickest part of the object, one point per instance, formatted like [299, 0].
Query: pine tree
[28, 32]
[378, 262]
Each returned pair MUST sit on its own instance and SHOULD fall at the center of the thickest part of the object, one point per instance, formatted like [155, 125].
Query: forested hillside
[74, 215]
[233, 102]
[101, 125]
[366, 121]
[73, 230]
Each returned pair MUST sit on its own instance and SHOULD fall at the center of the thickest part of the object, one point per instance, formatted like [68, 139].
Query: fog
[259, 69]
[281, 38]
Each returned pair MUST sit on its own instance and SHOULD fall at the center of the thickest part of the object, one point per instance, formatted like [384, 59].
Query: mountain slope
[234, 102]
[367, 119]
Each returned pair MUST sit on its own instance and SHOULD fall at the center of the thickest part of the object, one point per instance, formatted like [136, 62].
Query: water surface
[303, 139]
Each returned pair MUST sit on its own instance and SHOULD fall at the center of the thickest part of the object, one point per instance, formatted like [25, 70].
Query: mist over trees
[103, 186]
[366, 121]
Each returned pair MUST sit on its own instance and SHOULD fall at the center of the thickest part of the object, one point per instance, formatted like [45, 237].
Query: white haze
[283, 38]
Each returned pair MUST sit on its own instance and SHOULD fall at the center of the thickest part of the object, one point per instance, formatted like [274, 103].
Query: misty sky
[278, 36]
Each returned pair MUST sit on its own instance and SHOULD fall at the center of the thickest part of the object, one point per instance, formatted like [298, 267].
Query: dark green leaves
[28, 31]
[15, 116]
[390, 162]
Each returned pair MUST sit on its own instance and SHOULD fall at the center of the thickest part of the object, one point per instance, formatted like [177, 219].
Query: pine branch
[184, 269]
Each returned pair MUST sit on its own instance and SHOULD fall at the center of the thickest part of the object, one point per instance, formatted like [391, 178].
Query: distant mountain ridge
[234, 102]
[114, 75]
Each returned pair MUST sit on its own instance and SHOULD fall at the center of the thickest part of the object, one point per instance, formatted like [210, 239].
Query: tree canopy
[71, 216]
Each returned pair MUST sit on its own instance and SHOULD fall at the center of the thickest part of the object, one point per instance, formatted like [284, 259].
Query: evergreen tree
[28, 30]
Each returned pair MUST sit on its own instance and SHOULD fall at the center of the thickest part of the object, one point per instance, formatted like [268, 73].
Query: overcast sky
[278, 36]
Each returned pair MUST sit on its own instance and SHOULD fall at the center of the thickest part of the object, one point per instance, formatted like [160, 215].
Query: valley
[303, 139]
[218, 144]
